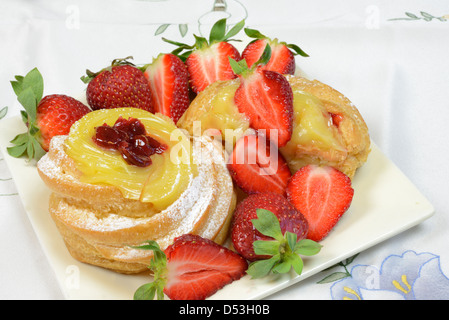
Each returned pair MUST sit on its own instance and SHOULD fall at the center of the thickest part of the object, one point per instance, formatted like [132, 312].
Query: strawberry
[208, 60]
[243, 233]
[282, 57]
[169, 84]
[192, 268]
[270, 232]
[322, 195]
[45, 117]
[120, 85]
[256, 165]
[266, 98]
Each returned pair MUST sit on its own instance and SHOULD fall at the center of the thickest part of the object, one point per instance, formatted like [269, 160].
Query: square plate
[385, 204]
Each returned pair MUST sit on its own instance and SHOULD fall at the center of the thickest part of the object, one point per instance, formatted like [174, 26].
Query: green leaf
[161, 28]
[17, 151]
[20, 139]
[334, 277]
[179, 44]
[261, 268]
[183, 28]
[38, 151]
[200, 42]
[297, 263]
[411, 15]
[307, 247]
[268, 224]
[34, 80]
[28, 100]
[291, 239]
[236, 66]
[145, 292]
[265, 57]
[218, 31]
[297, 50]
[252, 33]
[282, 267]
[235, 30]
[3, 112]
[159, 267]
[262, 247]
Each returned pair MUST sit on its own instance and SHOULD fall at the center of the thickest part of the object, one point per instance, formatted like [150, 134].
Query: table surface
[388, 58]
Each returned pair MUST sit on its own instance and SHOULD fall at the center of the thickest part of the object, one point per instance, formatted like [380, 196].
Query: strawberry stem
[159, 267]
[284, 250]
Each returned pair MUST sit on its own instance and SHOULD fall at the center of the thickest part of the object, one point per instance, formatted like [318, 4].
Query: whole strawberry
[44, 117]
[208, 59]
[55, 115]
[120, 85]
[282, 54]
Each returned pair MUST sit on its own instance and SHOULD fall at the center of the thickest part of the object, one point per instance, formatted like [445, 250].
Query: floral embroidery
[410, 276]
[423, 16]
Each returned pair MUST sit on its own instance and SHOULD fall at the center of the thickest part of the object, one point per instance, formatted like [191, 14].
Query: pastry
[104, 206]
[327, 128]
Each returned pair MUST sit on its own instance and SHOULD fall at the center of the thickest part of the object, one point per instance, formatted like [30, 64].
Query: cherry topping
[129, 137]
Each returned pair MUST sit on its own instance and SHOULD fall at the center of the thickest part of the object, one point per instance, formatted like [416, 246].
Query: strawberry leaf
[268, 224]
[307, 247]
[297, 50]
[235, 30]
[158, 265]
[285, 250]
[261, 268]
[266, 247]
[28, 100]
[252, 33]
[29, 90]
[218, 31]
[17, 151]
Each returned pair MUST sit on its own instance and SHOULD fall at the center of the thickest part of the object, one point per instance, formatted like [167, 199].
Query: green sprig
[29, 90]
[158, 265]
[218, 33]
[284, 249]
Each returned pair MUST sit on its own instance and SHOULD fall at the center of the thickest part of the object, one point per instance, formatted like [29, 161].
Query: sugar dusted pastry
[102, 205]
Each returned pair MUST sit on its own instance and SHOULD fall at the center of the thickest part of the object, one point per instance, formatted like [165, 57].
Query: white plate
[385, 203]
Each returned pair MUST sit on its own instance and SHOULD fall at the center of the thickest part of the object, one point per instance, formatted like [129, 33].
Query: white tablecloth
[389, 57]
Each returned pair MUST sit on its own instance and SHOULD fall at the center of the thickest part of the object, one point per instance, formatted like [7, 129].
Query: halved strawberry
[169, 84]
[322, 195]
[45, 117]
[266, 98]
[282, 57]
[120, 85]
[208, 60]
[243, 233]
[192, 268]
[256, 165]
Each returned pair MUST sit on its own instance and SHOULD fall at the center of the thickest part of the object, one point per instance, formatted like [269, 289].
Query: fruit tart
[123, 176]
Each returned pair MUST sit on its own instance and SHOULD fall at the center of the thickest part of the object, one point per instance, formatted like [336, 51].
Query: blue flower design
[410, 276]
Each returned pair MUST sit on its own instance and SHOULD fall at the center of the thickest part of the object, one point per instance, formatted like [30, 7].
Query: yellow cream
[312, 129]
[161, 183]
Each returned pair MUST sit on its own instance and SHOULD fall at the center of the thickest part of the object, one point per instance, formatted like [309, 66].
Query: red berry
[322, 195]
[256, 166]
[211, 64]
[243, 233]
[282, 59]
[169, 83]
[266, 98]
[198, 267]
[56, 114]
[117, 87]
